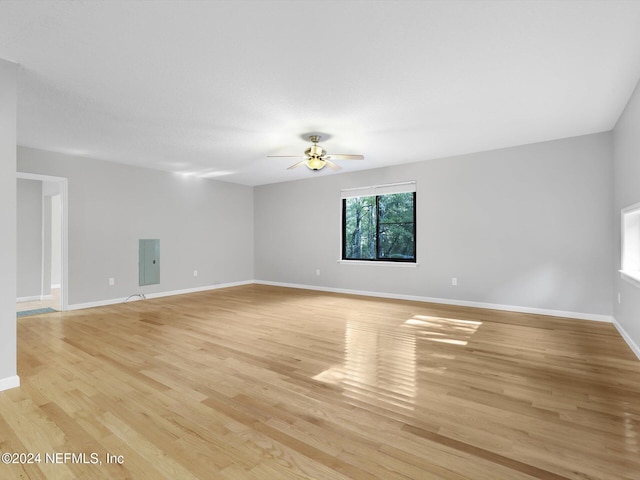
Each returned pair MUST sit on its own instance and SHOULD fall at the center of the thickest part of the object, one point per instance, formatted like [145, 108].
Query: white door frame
[64, 195]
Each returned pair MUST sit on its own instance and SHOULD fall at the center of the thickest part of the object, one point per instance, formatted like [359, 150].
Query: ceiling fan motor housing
[315, 151]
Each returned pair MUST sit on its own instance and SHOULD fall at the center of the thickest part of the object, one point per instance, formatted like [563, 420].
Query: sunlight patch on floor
[452, 331]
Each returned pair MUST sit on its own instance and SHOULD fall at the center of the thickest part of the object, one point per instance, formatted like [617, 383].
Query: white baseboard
[448, 301]
[113, 301]
[9, 382]
[34, 298]
[632, 345]
[98, 303]
[199, 289]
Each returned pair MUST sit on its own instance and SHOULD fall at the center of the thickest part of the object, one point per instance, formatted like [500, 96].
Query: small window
[631, 242]
[379, 223]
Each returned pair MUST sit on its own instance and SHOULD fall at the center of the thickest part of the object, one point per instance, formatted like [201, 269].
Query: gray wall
[529, 226]
[8, 75]
[202, 225]
[29, 248]
[626, 148]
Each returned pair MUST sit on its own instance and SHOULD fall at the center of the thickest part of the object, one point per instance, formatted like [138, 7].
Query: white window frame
[630, 248]
[370, 191]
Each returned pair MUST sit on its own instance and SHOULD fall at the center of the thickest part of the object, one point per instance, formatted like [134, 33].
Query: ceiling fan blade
[342, 156]
[296, 165]
[286, 156]
[331, 165]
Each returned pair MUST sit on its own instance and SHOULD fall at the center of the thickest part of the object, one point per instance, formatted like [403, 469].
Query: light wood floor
[258, 382]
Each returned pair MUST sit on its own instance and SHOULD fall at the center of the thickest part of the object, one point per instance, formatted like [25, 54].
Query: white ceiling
[211, 88]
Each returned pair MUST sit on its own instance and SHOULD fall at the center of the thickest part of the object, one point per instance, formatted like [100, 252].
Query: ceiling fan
[316, 158]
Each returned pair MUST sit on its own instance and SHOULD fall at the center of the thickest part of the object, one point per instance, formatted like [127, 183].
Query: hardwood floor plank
[484, 453]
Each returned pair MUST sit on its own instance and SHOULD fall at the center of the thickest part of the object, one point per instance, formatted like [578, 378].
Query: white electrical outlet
[454, 281]
[619, 298]
[318, 271]
[112, 281]
[195, 273]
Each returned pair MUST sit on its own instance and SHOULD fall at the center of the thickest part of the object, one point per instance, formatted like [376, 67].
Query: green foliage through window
[379, 227]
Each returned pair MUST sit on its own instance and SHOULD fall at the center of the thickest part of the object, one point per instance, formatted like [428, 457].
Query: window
[630, 264]
[379, 223]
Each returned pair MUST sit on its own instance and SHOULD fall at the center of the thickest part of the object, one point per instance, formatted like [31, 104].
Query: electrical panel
[149, 261]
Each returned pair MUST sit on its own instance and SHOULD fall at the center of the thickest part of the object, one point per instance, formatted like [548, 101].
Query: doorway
[42, 284]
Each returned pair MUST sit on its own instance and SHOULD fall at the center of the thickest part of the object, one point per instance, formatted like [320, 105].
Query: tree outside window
[379, 227]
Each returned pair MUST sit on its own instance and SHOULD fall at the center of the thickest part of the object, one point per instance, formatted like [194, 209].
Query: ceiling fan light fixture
[315, 163]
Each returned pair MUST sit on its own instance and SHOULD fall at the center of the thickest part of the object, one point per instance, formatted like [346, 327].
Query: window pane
[397, 228]
[360, 228]
[631, 240]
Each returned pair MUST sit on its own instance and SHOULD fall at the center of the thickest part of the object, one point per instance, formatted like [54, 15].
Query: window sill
[631, 277]
[382, 264]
